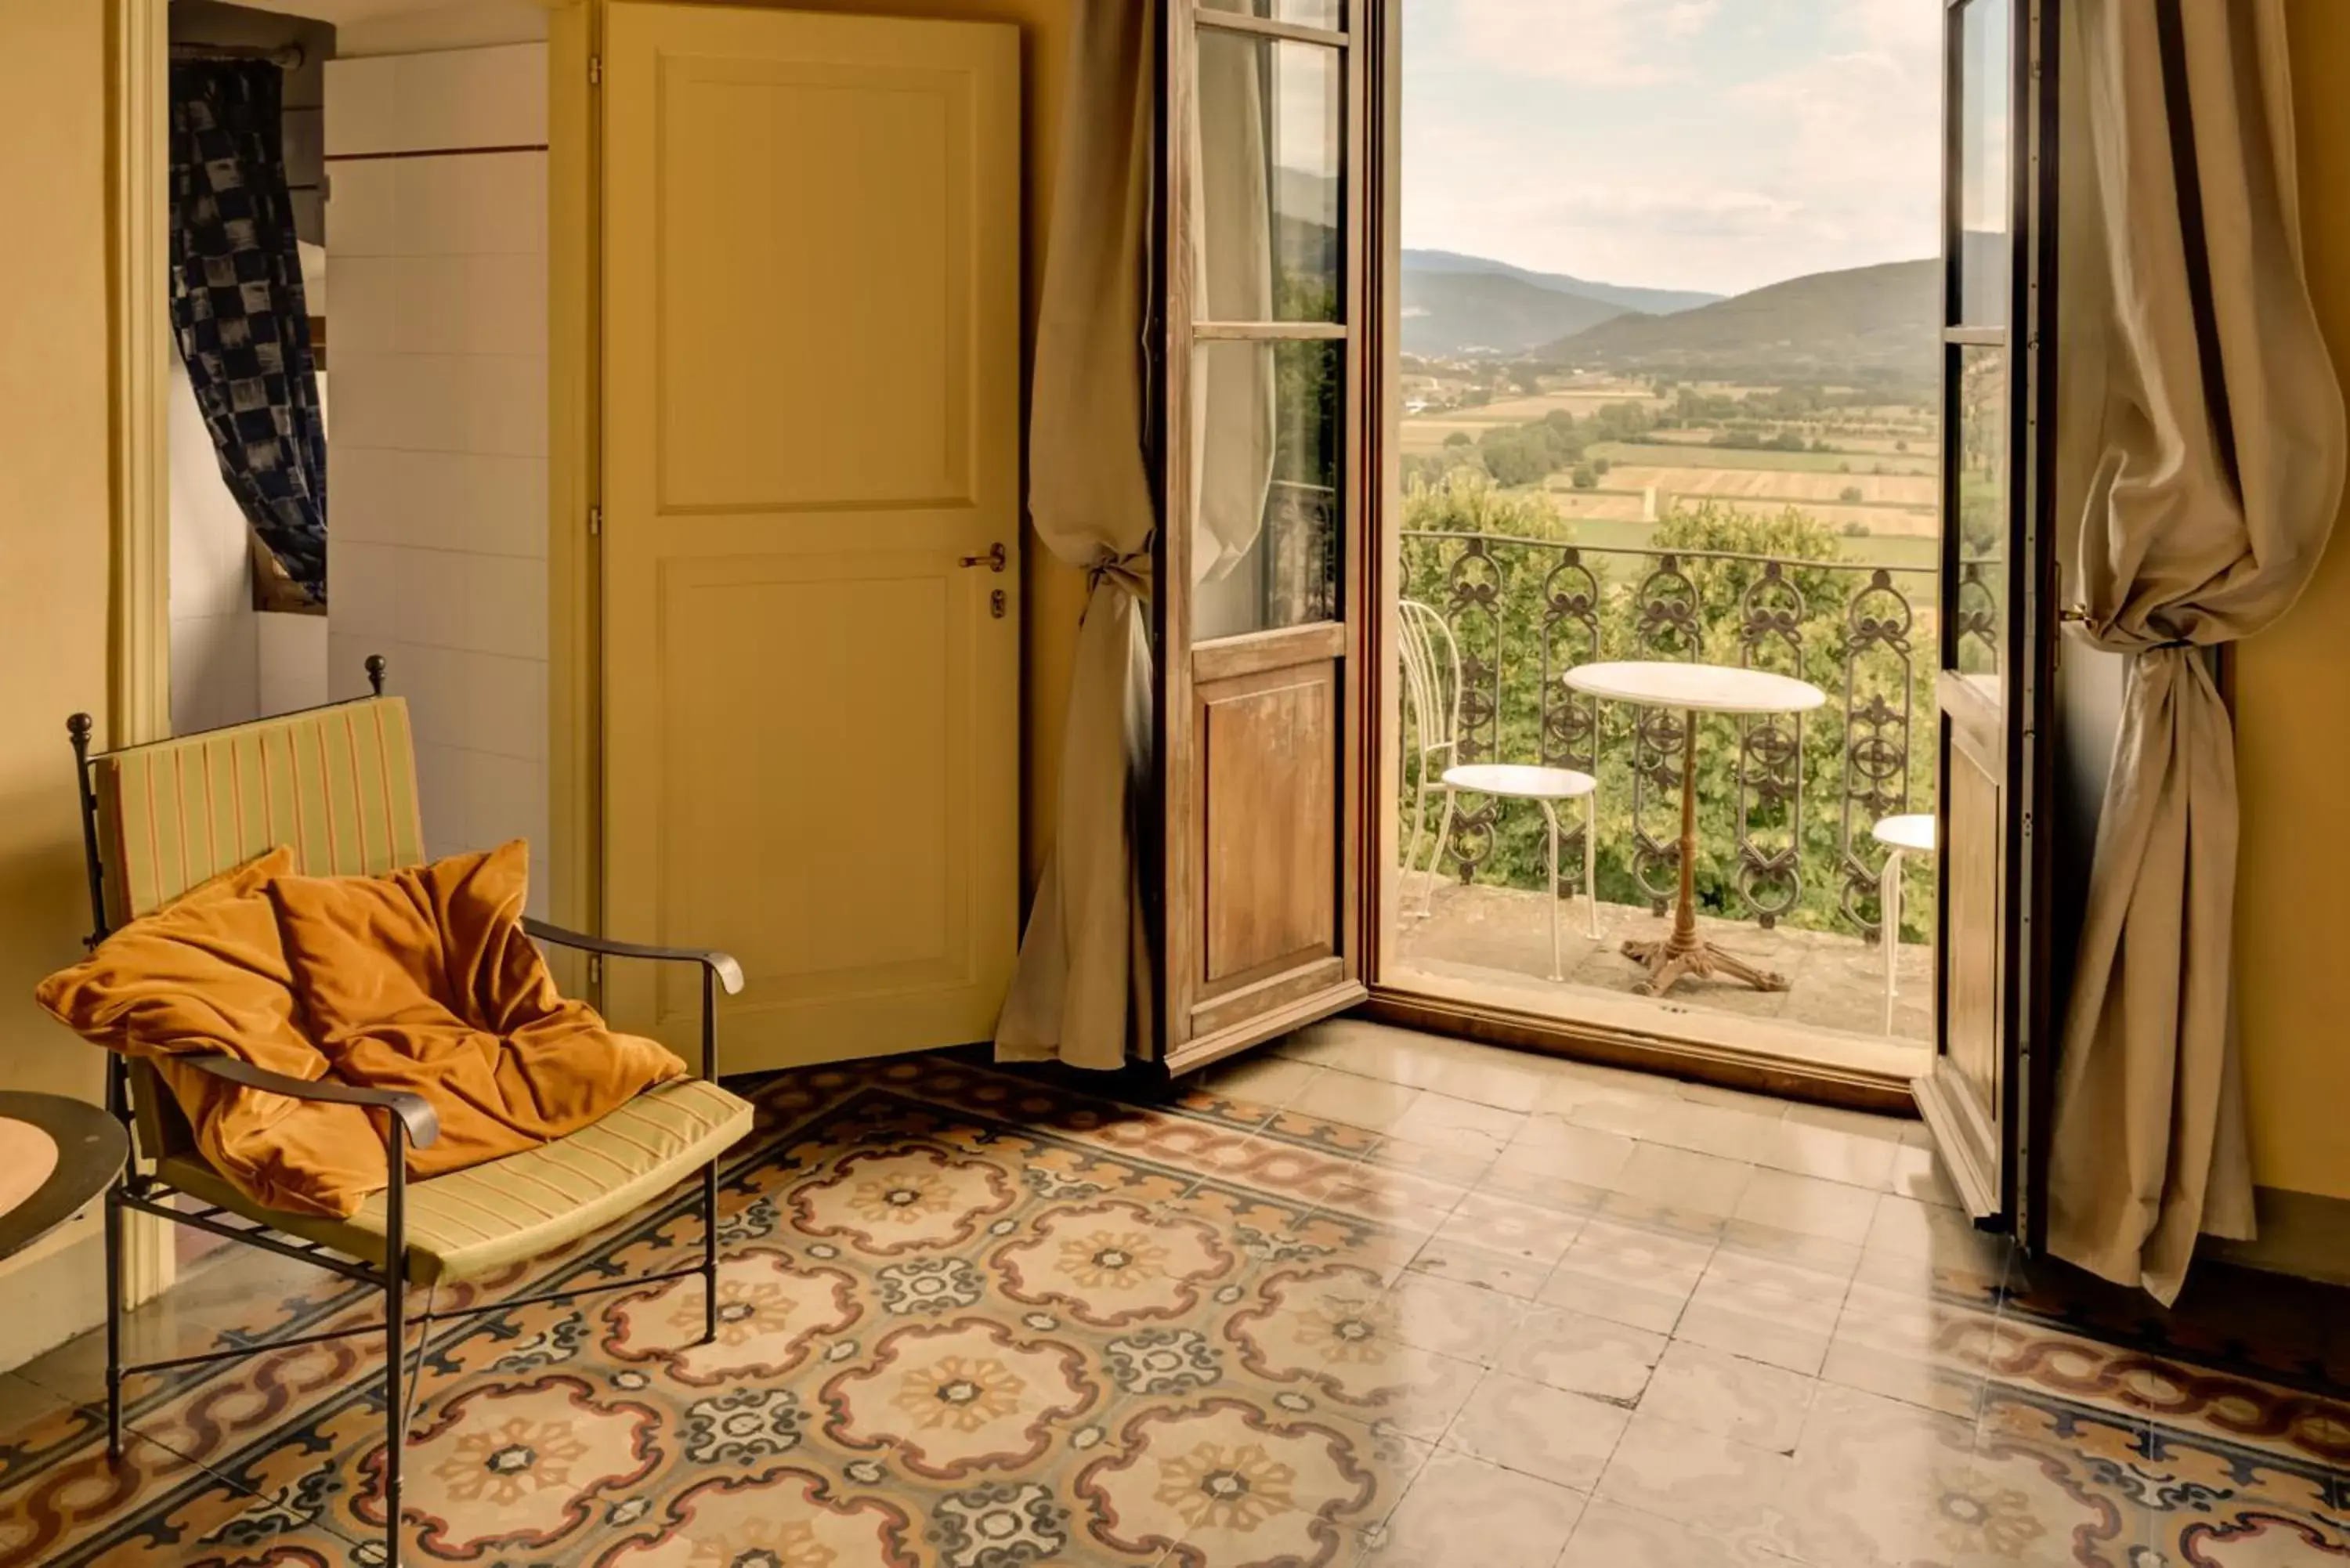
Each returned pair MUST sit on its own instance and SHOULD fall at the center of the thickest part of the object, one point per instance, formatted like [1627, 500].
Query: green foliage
[1586, 477]
[1849, 494]
[1466, 501]
[1511, 641]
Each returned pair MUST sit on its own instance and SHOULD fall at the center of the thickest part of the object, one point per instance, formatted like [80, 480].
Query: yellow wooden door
[811, 524]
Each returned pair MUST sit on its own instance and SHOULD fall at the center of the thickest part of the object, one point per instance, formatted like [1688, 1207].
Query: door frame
[575, 349]
[139, 516]
[2009, 1196]
[1611, 1044]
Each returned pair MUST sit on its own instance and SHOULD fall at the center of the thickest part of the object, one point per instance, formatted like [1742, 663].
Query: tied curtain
[1082, 993]
[2218, 468]
[238, 310]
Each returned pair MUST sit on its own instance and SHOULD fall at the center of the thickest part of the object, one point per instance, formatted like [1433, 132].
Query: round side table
[56, 1154]
[1694, 689]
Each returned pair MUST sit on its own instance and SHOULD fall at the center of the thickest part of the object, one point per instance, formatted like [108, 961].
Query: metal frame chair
[136, 1096]
[1432, 690]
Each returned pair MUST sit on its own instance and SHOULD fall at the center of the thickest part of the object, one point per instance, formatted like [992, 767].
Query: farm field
[1776, 485]
[1879, 489]
[1828, 462]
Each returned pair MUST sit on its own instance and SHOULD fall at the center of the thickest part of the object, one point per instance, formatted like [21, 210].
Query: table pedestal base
[1676, 956]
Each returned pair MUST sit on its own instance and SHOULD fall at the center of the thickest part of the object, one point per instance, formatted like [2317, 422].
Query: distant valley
[1875, 320]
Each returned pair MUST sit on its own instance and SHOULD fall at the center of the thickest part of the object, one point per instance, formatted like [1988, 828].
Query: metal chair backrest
[1431, 677]
[337, 785]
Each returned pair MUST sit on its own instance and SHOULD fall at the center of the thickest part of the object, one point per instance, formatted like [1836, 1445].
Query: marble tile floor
[1366, 1299]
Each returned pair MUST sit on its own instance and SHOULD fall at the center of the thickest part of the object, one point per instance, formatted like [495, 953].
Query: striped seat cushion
[336, 785]
[473, 1221]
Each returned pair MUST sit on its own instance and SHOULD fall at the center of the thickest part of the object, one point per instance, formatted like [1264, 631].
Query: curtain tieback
[1129, 572]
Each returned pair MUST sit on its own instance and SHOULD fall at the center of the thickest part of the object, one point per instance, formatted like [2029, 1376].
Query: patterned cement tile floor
[1374, 1301]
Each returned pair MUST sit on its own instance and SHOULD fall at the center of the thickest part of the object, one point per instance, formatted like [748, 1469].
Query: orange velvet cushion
[207, 975]
[423, 980]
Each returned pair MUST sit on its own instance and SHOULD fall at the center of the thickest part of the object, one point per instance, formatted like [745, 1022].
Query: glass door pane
[1985, 255]
[1266, 512]
[1266, 229]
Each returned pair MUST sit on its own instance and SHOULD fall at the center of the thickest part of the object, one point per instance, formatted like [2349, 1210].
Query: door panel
[1259, 636]
[810, 452]
[1269, 820]
[1961, 1100]
[1993, 690]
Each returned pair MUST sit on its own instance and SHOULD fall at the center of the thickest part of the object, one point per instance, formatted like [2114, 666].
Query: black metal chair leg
[395, 1338]
[710, 1252]
[709, 1171]
[114, 1323]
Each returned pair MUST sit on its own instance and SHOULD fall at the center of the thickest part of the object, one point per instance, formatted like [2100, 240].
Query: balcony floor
[1493, 945]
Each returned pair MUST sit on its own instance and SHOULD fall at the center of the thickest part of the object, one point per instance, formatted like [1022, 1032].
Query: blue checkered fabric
[238, 308]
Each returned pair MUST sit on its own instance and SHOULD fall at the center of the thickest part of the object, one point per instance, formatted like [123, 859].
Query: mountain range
[1455, 303]
[1880, 318]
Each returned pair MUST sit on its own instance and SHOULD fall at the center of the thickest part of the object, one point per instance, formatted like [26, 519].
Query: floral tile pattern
[973, 1320]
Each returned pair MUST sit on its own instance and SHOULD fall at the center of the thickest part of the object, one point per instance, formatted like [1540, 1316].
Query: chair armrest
[415, 1112]
[723, 965]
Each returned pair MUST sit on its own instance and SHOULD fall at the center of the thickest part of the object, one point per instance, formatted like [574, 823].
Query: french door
[1259, 613]
[1985, 1099]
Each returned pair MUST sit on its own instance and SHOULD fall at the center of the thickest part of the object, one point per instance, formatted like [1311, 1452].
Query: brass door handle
[995, 560]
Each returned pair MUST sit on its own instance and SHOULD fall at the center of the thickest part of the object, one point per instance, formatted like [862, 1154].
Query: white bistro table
[1694, 689]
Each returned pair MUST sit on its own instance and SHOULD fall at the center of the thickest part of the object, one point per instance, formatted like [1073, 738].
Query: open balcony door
[1260, 616]
[810, 525]
[1986, 1097]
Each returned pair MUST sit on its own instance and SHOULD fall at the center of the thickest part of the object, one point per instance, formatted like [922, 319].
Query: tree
[1849, 494]
[1586, 477]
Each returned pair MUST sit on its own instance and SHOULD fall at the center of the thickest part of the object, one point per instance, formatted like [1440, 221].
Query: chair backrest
[335, 785]
[1431, 675]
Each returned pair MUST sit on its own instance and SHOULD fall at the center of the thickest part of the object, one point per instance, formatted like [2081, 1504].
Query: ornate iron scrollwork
[1490, 587]
[1879, 677]
[1472, 608]
[1666, 625]
[1770, 615]
[1570, 723]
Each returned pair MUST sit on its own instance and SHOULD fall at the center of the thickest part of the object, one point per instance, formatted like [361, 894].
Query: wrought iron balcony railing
[1523, 611]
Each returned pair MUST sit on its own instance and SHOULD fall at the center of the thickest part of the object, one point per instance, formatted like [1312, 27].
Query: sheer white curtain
[2218, 469]
[1082, 992]
[1232, 260]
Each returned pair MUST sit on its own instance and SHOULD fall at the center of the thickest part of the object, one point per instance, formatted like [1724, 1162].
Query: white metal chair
[1546, 787]
[1432, 690]
[1431, 677]
[1901, 836]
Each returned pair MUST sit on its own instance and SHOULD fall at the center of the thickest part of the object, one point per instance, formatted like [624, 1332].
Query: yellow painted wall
[53, 512]
[1055, 591]
[54, 534]
[2293, 700]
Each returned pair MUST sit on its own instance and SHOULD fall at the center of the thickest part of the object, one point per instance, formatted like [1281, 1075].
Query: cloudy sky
[1710, 144]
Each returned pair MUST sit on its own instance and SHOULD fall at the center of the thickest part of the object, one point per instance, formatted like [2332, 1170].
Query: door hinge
[595, 70]
[594, 968]
[595, 521]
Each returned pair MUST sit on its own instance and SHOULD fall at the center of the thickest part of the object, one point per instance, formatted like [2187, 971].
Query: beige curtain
[2219, 444]
[1082, 992]
[1230, 241]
